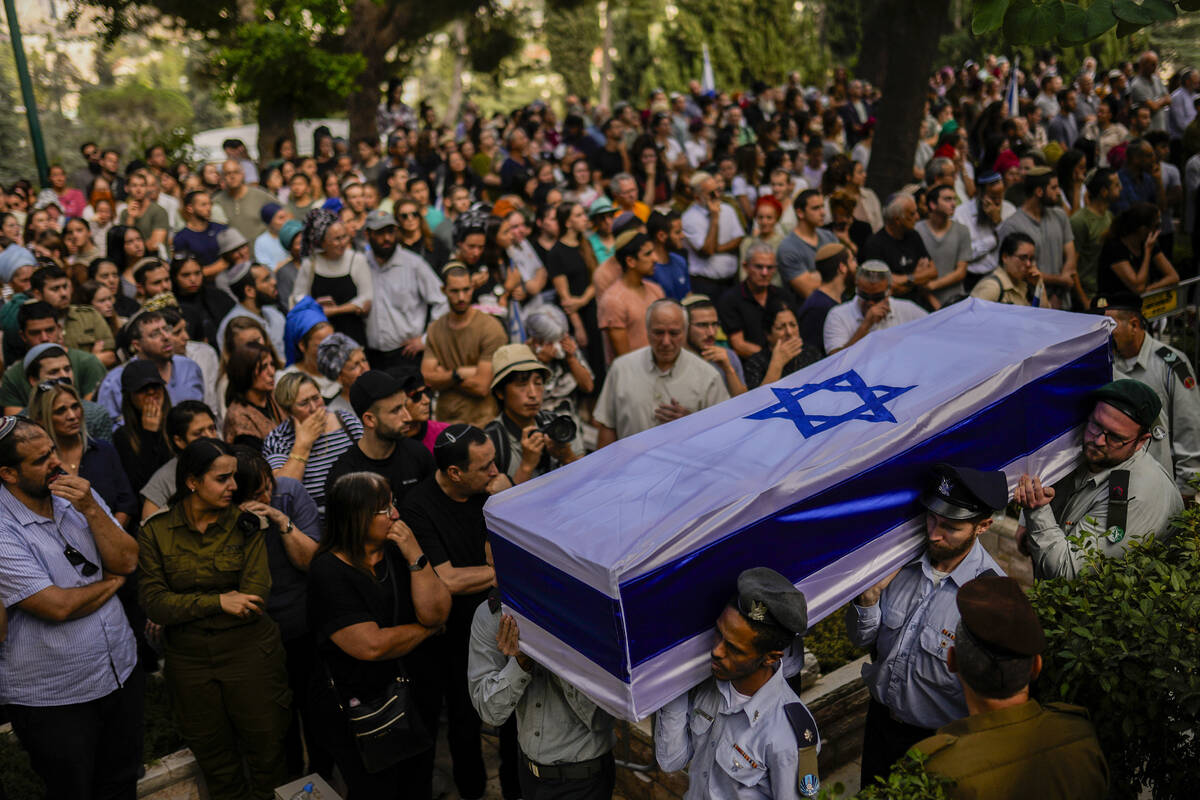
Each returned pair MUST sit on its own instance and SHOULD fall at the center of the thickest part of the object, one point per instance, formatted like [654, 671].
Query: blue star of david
[872, 409]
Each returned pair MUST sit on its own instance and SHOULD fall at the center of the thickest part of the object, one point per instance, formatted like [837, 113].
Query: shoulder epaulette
[936, 743]
[1178, 365]
[1067, 708]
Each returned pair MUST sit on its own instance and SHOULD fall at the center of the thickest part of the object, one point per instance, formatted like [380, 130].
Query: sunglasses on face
[418, 395]
[407, 215]
[78, 559]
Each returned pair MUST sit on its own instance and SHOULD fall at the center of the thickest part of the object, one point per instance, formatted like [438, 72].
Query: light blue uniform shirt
[187, 383]
[738, 748]
[912, 627]
[56, 663]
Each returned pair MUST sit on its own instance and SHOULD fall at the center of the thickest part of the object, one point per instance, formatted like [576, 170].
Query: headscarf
[1005, 161]
[12, 258]
[317, 223]
[304, 316]
[333, 353]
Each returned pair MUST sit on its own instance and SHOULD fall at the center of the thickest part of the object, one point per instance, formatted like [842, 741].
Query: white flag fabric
[617, 566]
[707, 82]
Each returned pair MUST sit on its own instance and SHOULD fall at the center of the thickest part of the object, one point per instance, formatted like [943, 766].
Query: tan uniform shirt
[999, 287]
[84, 326]
[465, 347]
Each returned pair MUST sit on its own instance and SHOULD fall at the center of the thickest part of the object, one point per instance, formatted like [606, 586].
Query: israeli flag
[1012, 94]
[617, 566]
[707, 82]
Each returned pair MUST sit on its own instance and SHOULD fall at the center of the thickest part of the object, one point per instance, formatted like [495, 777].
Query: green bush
[908, 780]
[161, 737]
[1123, 641]
[828, 642]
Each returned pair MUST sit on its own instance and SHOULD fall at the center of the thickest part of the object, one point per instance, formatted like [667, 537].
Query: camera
[559, 427]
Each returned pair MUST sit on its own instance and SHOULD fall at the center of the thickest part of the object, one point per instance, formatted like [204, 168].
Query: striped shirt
[56, 663]
[325, 451]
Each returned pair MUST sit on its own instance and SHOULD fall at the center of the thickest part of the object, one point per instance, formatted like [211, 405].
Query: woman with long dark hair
[414, 233]
[204, 577]
[105, 272]
[1130, 259]
[1072, 173]
[202, 305]
[372, 598]
[251, 411]
[142, 440]
[125, 247]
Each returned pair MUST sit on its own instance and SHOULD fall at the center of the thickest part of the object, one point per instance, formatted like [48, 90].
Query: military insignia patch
[1115, 534]
[945, 487]
[758, 611]
[809, 785]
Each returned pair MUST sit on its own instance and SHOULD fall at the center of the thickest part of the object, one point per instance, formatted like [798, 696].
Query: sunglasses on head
[52, 384]
[78, 559]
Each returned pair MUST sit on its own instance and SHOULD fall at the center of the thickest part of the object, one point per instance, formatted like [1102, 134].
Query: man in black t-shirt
[445, 512]
[899, 246]
[380, 402]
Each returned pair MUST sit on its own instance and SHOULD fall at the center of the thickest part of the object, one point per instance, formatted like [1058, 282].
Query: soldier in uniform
[908, 619]
[1175, 440]
[1010, 746]
[744, 731]
[205, 579]
[1116, 493]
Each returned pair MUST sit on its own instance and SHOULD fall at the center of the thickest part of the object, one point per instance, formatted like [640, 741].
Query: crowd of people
[260, 404]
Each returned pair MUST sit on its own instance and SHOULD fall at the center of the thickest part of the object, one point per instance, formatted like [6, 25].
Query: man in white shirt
[712, 234]
[872, 309]
[407, 294]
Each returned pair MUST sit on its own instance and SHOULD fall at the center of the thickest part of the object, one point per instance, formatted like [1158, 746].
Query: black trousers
[885, 742]
[301, 655]
[599, 787]
[510, 760]
[441, 664]
[86, 751]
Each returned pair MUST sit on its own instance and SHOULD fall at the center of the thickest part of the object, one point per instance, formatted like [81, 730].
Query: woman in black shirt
[372, 598]
[1130, 260]
[142, 440]
[785, 351]
[570, 264]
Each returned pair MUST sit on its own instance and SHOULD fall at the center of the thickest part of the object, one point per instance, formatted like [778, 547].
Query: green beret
[767, 597]
[1132, 398]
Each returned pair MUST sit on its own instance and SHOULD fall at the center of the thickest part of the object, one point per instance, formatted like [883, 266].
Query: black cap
[767, 597]
[371, 386]
[138, 374]
[998, 615]
[1117, 301]
[962, 493]
[1132, 398]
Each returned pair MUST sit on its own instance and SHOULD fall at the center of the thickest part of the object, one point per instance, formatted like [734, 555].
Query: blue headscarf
[304, 316]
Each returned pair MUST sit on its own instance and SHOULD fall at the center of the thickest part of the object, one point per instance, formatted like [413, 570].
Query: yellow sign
[1160, 304]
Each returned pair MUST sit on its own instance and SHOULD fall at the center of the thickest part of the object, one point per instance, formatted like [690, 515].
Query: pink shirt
[432, 429]
[72, 203]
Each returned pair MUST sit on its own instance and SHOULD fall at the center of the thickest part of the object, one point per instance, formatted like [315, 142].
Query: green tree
[14, 139]
[130, 117]
[572, 36]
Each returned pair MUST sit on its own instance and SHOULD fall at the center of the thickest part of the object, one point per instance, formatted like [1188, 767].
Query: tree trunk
[273, 121]
[372, 32]
[606, 69]
[909, 42]
[458, 39]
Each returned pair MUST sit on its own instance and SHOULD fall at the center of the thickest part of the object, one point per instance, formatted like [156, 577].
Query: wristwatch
[419, 564]
[291, 526]
[455, 378]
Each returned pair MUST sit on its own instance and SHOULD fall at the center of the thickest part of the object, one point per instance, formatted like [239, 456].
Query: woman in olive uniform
[205, 579]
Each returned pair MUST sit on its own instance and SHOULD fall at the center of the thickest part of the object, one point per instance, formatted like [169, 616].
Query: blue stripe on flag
[681, 599]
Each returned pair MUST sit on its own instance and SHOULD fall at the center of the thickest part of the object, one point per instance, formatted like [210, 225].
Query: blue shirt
[912, 626]
[187, 383]
[202, 244]
[673, 277]
[268, 251]
[289, 583]
[739, 748]
[56, 663]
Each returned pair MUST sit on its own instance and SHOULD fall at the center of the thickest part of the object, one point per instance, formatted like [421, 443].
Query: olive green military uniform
[226, 674]
[1021, 751]
[83, 327]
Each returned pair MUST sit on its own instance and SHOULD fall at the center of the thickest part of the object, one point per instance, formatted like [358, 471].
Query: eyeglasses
[1111, 439]
[78, 559]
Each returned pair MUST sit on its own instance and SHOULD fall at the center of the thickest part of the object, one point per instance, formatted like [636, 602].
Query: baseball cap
[370, 387]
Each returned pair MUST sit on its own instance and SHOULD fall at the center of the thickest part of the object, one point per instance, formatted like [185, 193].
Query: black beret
[963, 492]
[998, 615]
[1117, 301]
[766, 596]
[1132, 398]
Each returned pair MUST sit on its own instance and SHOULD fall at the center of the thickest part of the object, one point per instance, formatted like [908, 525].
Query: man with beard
[407, 293]
[253, 285]
[63, 558]
[744, 731]
[909, 618]
[458, 353]
[379, 400]
[703, 326]
[1042, 219]
[1116, 494]
[200, 236]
